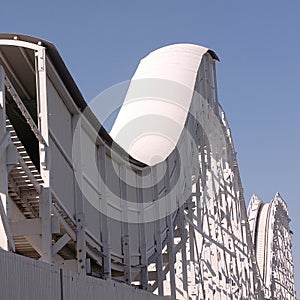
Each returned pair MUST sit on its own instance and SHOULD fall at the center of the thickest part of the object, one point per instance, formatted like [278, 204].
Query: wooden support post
[79, 200]
[142, 225]
[158, 241]
[105, 235]
[3, 167]
[45, 215]
[125, 226]
[45, 193]
[171, 252]
[183, 239]
[42, 112]
[192, 257]
[6, 226]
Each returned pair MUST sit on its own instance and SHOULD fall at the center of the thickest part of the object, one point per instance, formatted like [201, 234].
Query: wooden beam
[32, 226]
[60, 243]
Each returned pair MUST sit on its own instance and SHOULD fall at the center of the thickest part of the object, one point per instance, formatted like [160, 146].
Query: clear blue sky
[258, 77]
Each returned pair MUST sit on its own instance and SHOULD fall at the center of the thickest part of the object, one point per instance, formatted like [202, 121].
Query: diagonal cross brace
[60, 243]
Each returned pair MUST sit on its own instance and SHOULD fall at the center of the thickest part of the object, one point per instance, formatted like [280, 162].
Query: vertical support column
[42, 111]
[192, 243]
[171, 256]
[125, 226]
[183, 240]
[79, 200]
[3, 167]
[181, 278]
[171, 252]
[103, 203]
[45, 195]
[45, 215]
[158, 241]
[142, 225]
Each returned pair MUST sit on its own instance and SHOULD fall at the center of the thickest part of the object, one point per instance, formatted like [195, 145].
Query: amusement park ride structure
[157, 204]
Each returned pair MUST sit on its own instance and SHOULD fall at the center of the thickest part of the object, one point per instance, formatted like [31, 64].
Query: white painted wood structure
[159, 206]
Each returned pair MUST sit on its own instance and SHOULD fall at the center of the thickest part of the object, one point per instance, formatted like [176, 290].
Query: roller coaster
[157, 203]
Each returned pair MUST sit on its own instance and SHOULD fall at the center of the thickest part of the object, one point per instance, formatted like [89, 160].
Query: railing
[24, 111]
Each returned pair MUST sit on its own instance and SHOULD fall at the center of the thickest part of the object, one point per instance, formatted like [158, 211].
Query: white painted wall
[23, 278]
